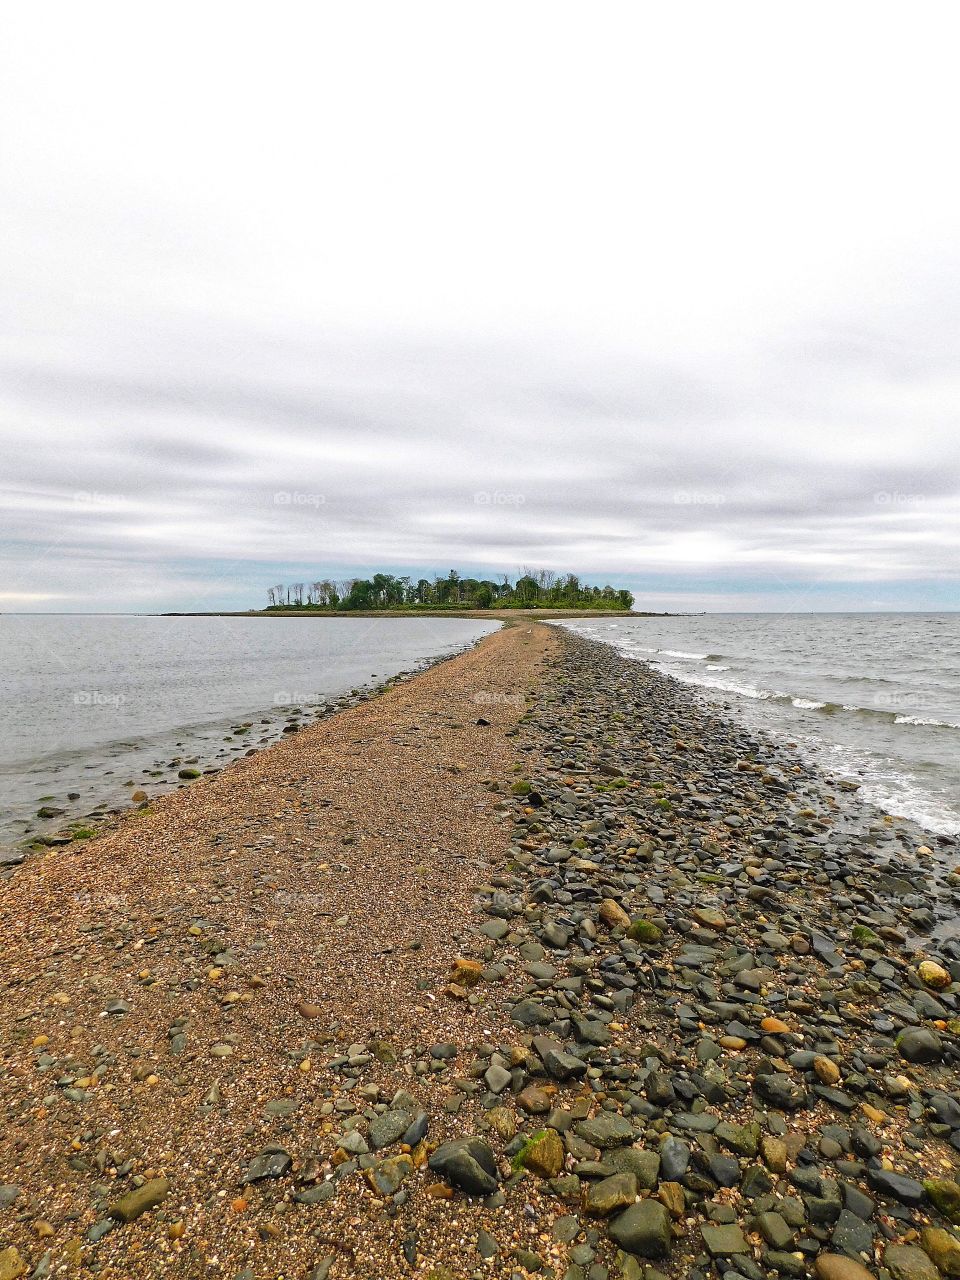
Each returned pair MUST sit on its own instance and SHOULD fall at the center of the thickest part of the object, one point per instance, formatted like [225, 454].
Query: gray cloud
[237, 342]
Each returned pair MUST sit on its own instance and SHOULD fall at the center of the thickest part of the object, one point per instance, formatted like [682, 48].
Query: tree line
[533, 589]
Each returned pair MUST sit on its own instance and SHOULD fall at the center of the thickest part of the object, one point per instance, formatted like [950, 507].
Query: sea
[96, 709]
[873, 698]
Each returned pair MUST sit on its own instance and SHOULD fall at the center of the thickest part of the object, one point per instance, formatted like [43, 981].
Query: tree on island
[534, 589]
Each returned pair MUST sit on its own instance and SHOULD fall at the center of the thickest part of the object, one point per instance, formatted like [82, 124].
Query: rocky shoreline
[594, 983]
[68, 816]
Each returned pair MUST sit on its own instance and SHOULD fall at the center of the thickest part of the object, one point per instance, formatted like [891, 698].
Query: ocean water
[98, 707]
[873, 698]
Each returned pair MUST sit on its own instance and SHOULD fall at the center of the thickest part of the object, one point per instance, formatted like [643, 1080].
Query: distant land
[540, 589]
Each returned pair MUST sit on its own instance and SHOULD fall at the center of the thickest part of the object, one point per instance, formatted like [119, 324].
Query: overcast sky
[667, 295]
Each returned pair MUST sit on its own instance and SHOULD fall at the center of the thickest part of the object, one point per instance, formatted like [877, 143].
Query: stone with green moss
[862, 935]
[644, 931]
[542, 1154]
[945, 1195]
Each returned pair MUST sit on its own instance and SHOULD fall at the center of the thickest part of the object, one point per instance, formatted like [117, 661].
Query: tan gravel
[331, 874]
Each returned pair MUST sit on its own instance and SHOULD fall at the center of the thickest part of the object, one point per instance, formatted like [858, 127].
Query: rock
[387, 1176]
[896, 1186]
[943, 1248]
[642, 1229]
[534, 1100]
[834, 1266]
[117, 1007]
[933, 975]
[497, 1078]
[670, 1194]
[674, 1159]
[945, 1195]
[130, 1206]
[543, 1155]
[416, 1131]
[907, 1262]
[272, 1163]
[920, 1045]
[710, 918]
[826, 1070]
[467, 1163]
[644, 932]
[780, 1091]
[774, 1152]
[606, 1129]
[643, 1165]
[724, 1241]
[774, 1229]
[12, 1264]
[466, 973]
[611, 1194]
[744, 1139]
[614, 916]
[388, 1128]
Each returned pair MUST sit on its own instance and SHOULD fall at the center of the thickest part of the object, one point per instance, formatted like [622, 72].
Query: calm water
[92, 704]
[870, 697]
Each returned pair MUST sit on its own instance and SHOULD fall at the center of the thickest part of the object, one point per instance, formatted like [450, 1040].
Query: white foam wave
[923, 720]
[716, 666]
[807, 704]
[678, 653]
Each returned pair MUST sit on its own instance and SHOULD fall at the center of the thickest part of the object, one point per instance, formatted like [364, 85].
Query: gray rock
[467, 1163]
[388, 1128]
[272, 1163]
[606, 1129]
[643, 1229]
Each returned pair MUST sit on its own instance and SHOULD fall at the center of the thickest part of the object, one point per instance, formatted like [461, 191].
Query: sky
[663, 295]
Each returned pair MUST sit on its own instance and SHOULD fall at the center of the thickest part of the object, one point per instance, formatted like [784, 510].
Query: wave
[716, 666]
[922, 720]
[800, 701]
[679, 653]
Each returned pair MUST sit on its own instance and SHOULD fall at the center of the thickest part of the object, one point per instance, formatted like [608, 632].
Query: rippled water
[91, 704]
[871, 697]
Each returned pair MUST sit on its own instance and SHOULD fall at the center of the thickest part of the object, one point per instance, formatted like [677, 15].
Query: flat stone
[642, 1229]
[388, 1128]
[907, 1262]
[606, 1129]
[611, 1194]
[722, 1242]
[272, 1163]
[130, 1206]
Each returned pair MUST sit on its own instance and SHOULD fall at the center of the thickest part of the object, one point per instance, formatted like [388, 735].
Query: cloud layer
[493, 310]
